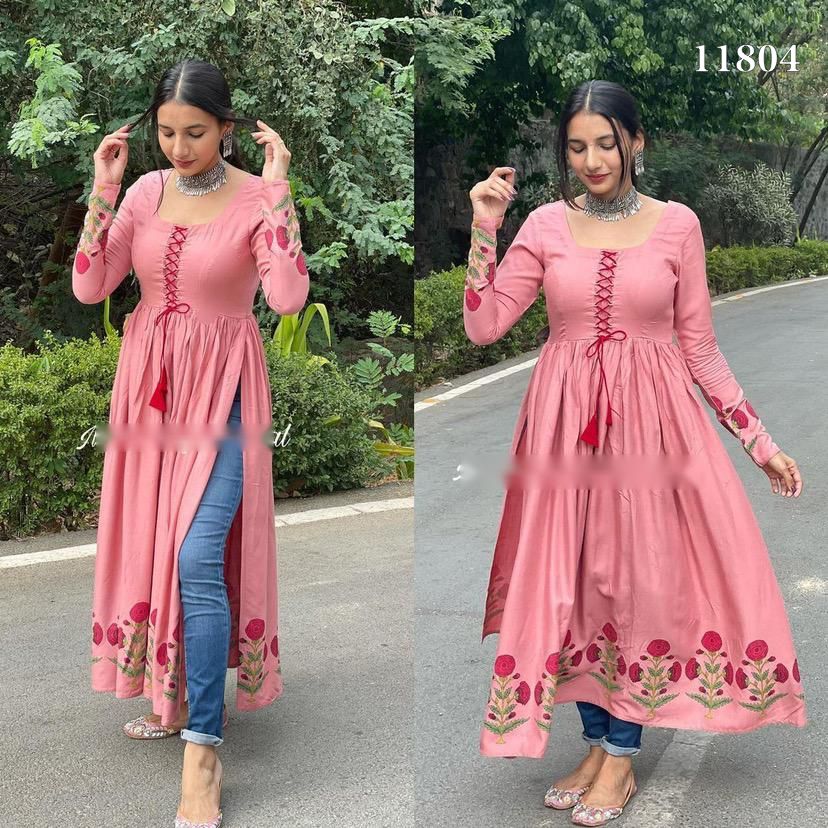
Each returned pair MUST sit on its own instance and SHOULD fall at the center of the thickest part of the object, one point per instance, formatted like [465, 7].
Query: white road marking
[423, 404]
[292, 519]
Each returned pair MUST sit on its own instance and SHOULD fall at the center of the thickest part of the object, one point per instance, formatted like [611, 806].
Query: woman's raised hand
[277, 155]
[111, 156]
[491, 197]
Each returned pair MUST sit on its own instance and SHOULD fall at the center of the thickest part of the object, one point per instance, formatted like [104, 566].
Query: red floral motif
[523, 693]
[795, 670]
[482, 266]
[658, 647]
[282, 237]
[255, 628]
[140, 612]
[711, 675]
[539, 693]
[552, 663]
[612, 662]
[274, 646]
[504, 665]
[97, 633]
[756, 650]
[251, 657]
[501, 717]
[655, 680]
[760, 680]
[161, 654]
[99, 216]
[472, 299]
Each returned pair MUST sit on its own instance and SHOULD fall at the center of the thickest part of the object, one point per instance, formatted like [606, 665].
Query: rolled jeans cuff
[201, 738]
[615, 750]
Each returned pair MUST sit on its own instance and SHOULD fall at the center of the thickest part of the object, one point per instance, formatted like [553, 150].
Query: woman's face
[592, 151]
[189, 137]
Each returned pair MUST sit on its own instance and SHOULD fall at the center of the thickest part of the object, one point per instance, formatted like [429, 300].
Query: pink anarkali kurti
[190, 339]
[629, 569]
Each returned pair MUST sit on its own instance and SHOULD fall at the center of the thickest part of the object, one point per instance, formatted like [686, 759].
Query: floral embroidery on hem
[252, 655]
[504, 699]
[710, 674]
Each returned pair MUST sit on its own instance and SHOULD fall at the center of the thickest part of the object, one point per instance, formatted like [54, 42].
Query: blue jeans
[204, 599]
[615, 736]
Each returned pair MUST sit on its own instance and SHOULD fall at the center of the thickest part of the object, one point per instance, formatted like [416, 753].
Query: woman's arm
[693, 320]
[104, 253]
[277, 247]
[496, 296]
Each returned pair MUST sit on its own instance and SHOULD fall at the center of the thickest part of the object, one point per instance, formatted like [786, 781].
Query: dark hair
[197, 83]
[615, 103]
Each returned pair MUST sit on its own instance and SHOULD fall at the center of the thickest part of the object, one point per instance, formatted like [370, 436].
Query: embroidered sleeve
[277, 247]
[496, 296]
[693, 321]
[104, 253]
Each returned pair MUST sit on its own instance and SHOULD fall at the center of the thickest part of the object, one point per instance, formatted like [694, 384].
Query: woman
[629, 574]
[186, 544]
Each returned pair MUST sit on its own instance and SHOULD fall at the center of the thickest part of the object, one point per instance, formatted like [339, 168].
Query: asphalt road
[335, 750]
[777, 345]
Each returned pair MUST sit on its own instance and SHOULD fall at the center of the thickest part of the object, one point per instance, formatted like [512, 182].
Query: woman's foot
[200, 790]
[149, 726]
[565, 791]
[612, 783]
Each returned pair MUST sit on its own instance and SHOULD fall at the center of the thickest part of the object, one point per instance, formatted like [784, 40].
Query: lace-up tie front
[603, 302]
[172, 256]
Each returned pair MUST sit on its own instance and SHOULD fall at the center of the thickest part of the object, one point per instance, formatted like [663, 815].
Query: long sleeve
[496, 296]
[277, 247]
[104, 253]
[693, 321]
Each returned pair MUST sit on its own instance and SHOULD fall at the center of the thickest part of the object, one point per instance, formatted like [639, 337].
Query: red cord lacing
[603, 299]
[172, 256]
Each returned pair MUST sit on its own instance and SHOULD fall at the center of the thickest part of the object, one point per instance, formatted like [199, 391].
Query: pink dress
[190, 339]
[629, 569]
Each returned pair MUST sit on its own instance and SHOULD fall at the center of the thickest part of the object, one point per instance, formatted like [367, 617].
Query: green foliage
[442, 349]
[291, 334]
[552, 47]
[50, 116]
[744, 206]
[330, 447]
[54, 401]
[339, 91]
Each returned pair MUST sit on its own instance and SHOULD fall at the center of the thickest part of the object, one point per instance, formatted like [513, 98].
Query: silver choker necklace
[205, 182]
[613, 209]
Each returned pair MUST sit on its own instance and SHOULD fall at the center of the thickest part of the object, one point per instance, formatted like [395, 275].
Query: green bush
[443, 350]
[50, 399]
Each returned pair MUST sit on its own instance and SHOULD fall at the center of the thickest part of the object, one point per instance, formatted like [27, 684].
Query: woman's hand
[277, 155]
[491, 197]
[111, 156]
[784, 475]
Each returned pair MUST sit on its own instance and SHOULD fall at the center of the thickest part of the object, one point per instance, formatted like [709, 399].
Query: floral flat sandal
[140, 728]
[595, 815]
[563, 798]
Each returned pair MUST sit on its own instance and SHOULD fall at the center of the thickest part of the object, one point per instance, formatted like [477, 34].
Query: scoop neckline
[227, 207]
[653, 233]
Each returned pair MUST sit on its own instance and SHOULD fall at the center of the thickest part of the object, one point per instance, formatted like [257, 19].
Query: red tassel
[590, 433]
[158, 400]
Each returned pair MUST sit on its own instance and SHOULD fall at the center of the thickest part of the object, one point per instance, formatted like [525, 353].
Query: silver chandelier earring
[227, 143]
[639, 162]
